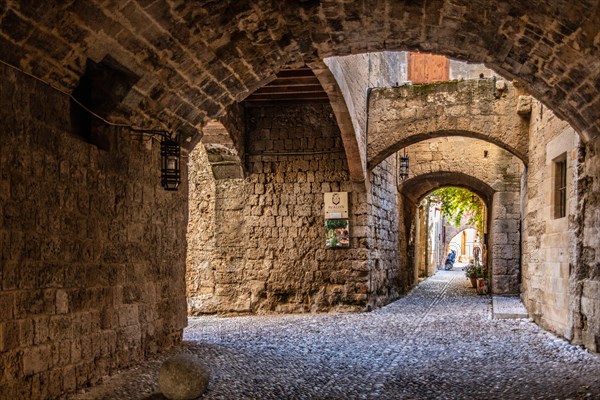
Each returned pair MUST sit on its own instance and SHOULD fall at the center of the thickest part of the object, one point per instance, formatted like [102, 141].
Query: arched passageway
[93, 251]
[414, 190]
[463, 243]
[491, 173]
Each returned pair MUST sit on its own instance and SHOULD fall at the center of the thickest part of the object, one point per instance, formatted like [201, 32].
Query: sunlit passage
[450, 227]
[439, 342]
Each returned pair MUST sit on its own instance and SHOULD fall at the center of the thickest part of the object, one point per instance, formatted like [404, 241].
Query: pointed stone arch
[356, 164]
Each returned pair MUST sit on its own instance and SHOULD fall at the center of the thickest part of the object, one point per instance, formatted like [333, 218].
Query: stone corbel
[223, 156]
[524, 105]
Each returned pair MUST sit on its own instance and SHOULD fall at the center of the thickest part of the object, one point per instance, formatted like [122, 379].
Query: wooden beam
[321, 95]
[270, 103]
[291, 73]
[293, 90]
[306, 80]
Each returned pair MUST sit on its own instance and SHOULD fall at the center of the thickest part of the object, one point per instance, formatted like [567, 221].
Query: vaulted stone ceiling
[195, 58]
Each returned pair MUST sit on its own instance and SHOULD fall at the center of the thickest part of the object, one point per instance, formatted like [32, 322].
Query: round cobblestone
[182, 377]
[438, 342]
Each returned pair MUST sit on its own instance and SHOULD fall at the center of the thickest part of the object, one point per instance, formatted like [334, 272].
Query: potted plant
[482, 282]
[473, 272]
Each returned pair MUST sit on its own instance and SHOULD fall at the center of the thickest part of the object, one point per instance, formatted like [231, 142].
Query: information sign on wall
[336, 205]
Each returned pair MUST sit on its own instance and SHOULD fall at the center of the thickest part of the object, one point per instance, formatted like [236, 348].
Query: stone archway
[491, 173]
[463, 246]
[408, 114]
[413, 190]
[194, 60]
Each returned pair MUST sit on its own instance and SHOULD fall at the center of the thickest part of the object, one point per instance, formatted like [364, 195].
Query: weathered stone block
[37, 359]
[505, 284]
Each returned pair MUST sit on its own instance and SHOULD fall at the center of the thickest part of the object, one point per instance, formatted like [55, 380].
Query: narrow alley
[439, 342]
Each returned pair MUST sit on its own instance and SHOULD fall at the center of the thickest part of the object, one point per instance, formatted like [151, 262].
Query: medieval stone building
[274, 105]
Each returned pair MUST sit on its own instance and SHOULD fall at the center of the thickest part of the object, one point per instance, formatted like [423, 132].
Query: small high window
[560, 187]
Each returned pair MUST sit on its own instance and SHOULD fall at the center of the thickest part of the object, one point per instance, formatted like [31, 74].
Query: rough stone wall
[504, 242]
[92, 249]
[269, 227]
[584, 286]
[549, 256]
[388, 277]
[201, 233]
[477, 158]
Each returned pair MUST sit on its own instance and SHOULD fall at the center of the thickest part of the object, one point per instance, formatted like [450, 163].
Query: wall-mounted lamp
[403, 166]
[170, 158]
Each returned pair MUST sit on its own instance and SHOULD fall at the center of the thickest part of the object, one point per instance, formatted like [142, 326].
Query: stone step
[508, 307]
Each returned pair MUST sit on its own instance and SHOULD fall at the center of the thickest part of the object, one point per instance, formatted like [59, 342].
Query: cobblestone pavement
[439, 342]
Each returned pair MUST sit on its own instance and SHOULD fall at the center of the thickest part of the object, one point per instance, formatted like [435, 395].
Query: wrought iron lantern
[170, 158]
[403, 166]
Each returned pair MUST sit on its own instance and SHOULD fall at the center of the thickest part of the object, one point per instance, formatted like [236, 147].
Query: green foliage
[474, 271]
[335, 224]
[457, 202]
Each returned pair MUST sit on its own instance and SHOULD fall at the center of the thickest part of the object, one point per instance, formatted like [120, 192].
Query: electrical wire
[161, 132]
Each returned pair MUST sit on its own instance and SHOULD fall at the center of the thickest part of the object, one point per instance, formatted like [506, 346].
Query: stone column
[504, 242]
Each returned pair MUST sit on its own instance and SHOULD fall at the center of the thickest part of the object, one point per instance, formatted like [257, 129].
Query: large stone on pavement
[183, 377]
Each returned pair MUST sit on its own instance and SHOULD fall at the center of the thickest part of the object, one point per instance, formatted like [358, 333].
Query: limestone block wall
[269, 239]
[388, 276]
[549, 256]
[92, 249]
[201, 233]
[561, 281]
[478, 158]
[584, 286]
[504, 242]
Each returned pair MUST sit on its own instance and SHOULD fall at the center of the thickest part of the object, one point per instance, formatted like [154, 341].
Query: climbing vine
[457, 202]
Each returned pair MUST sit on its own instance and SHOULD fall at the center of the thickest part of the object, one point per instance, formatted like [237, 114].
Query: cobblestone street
[439, 342]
